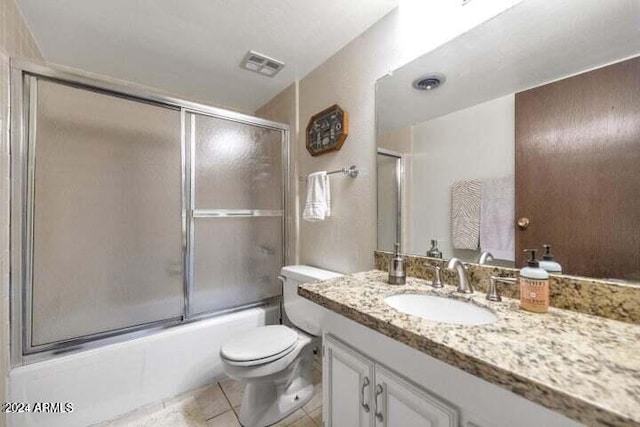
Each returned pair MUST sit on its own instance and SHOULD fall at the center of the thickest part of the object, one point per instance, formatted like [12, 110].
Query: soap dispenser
[534, 286]
[434, 252]
[397, 270]
[548, 263]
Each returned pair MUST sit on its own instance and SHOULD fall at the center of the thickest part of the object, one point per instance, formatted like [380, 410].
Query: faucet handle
[437, 282]
[492, 292]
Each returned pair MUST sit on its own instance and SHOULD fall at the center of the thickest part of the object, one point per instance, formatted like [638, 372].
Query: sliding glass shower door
[236, 202]
[132, 212]
[106, 235]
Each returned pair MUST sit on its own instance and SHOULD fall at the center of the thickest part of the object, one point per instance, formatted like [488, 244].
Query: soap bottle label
[534, 295]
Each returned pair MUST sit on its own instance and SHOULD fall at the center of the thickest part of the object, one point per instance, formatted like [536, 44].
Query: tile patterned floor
[217, 405]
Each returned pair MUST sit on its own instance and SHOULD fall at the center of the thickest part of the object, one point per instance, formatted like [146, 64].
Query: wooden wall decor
[327, 130]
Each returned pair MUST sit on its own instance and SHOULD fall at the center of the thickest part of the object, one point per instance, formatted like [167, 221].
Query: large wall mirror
[525, 132]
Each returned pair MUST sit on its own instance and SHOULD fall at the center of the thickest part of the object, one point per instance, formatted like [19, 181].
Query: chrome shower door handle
[365, 384]
[379, 391]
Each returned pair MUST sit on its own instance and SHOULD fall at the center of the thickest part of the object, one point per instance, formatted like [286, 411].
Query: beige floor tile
[305, 421]
[317, 377]
[227, 419]
[233, 390]
[316, 416]
[134, 416]
[185, 413]
[209, 407]
[212, 401]
[291, 418]
[316, 400]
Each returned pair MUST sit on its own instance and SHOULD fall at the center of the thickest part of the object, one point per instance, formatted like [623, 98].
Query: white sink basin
[440, 309]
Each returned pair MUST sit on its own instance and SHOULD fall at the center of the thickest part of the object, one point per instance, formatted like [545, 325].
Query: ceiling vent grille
[261, 64]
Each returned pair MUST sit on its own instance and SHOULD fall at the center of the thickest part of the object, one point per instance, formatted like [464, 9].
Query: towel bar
[351, 171]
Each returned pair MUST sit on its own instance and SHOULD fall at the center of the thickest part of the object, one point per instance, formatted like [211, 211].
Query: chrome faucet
[463, 279]
[485, 257]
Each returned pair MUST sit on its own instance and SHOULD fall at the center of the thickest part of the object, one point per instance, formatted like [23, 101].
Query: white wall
[346, 242]
[475, 143]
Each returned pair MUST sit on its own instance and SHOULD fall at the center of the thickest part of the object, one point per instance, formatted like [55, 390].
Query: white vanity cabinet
[359, 392]
[347, 381]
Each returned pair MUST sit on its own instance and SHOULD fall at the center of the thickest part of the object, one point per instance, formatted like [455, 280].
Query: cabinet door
[347, 381]
[398, 403]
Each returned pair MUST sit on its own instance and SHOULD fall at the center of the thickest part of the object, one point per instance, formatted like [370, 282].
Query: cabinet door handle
[379, 391]
[365, 384]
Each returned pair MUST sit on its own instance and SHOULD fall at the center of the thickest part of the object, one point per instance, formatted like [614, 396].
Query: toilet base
[264, 409]
[272, 399]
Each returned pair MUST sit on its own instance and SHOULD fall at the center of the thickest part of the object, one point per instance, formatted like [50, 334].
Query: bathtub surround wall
[16, 40]
[581, 294]
[344, 242]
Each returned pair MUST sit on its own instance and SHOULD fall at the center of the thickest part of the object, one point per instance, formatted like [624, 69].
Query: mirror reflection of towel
[465, 214]
[318, 205]
[497, 218]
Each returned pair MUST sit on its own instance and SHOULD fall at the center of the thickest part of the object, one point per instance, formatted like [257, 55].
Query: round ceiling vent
[429, 82]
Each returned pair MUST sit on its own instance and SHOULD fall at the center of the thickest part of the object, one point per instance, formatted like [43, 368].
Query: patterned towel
[465, 214]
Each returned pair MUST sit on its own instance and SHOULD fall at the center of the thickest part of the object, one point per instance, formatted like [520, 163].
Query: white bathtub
[110, 381]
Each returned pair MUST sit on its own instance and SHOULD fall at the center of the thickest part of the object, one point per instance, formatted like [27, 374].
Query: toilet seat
[260, 345]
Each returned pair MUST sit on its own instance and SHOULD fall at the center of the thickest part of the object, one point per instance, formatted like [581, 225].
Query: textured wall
[15, 41]
[346, 241]
[15, 37]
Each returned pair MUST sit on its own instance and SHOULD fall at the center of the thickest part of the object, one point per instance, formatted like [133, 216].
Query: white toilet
[276, 361]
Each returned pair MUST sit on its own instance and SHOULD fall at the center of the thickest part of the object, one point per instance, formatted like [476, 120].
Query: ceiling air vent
[429, 81]
[261, 64]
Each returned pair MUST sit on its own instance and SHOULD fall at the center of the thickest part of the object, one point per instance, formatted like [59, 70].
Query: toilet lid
[259, 343]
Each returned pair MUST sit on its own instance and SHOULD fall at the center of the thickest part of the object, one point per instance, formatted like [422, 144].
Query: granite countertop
[583, 366]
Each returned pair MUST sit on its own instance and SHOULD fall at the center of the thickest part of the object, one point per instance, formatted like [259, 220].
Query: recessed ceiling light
[429, 81]
[261, 64]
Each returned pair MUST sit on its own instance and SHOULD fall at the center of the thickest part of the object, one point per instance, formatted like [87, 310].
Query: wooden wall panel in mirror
[578, 140]
[542, 124]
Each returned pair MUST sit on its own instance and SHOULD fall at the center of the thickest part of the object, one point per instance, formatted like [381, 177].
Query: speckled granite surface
[591, 296]
[583, 366]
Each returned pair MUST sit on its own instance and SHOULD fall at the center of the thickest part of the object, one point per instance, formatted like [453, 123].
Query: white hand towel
[497, 218]
[465, 214]
[318, 205]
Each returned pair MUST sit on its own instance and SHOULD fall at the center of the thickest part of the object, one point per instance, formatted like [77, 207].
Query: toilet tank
[301, 312]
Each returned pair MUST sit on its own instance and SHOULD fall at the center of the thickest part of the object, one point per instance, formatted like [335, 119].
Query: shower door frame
[399, 158]
[22, 76]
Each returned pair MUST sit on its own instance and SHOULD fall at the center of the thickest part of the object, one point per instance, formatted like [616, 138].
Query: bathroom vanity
[383, 367]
